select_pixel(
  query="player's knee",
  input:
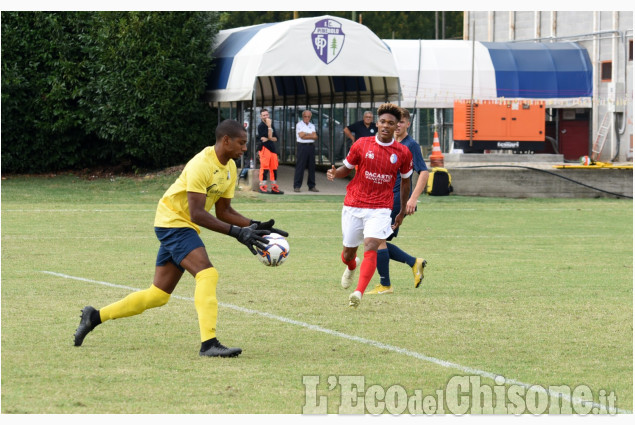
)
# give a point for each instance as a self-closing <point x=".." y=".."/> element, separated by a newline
<point x="162" y="301"/>
<point x="348" y="256"/>
<point x="157" y="297"/>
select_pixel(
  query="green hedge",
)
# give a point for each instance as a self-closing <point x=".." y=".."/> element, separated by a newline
<point x="81" y="89"/>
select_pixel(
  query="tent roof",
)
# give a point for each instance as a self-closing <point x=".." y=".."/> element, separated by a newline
<point x="435" y="73"/>
<point x="308" y="60"/>
<point x="541" y="70"/>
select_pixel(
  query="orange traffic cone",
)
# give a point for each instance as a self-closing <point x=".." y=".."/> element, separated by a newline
<point x="436" y="157"/>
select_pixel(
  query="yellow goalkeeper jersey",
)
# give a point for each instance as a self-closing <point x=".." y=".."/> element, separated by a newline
<point x="202" y="174"/>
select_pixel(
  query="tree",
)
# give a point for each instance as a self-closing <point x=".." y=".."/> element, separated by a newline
<point x="151" y="69"/>
<point x="87" y="88"/>
<point x="412" y="25"/>
<point x="400" y="25"/>
<point x="43" y="79"/>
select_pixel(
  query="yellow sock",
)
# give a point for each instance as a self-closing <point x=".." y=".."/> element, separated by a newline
<point x="206" y="303"/>
<point x="135" y="303"/>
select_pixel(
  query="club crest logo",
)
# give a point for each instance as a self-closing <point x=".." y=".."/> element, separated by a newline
<point x="393" y="158"/>
<point x="328" y="39"/>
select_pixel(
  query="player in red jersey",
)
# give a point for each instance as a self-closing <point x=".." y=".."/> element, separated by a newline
<point x="369" y="196"/>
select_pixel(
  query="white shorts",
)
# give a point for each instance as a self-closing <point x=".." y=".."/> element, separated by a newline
<point x="360" y="223"/>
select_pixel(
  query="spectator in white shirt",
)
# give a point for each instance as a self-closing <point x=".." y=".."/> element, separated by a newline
<point x="305" y="136"/>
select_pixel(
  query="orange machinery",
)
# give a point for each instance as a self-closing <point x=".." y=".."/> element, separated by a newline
<point x="515" y="125"/>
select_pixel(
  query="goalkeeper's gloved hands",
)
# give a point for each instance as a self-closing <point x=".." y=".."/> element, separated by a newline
<point x="250" y="236"/>
<point x="268" y="225"/>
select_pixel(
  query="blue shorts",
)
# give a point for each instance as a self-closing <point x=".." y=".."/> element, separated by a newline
<point x="176" y="243"/>
<point x="396" y="207"/>
<point x="394" y="214"/>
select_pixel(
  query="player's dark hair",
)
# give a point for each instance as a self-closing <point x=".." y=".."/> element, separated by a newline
<point x="229" y="128"/>
<point x="389" y="108"/>
<point x="405" y="114"/>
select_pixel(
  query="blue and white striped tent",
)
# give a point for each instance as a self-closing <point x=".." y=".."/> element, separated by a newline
<point x="317" y="60"/>
<point x="435" y="73"/>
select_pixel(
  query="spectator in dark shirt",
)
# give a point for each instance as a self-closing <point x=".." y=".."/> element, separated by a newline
<point x="363" y="128"/>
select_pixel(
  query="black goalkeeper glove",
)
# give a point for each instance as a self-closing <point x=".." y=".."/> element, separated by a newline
<point x="250" y="236"/>
<point x="268" y="225"/>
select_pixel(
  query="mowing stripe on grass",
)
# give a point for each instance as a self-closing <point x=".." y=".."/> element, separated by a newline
<point x="249" y="210"/>
<point x="443" y="363"/>
<point x="36" y="210"/>
<point x="313" y="237"/>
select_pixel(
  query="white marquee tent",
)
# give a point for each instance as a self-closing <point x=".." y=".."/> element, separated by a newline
<point x="303" y="61"/>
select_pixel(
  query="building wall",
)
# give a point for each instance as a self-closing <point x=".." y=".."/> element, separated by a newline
<point x="606" y="36"/>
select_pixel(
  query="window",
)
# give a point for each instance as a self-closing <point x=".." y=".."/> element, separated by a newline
<point x="606" y="70"/>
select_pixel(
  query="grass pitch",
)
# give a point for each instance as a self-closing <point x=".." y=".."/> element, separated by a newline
<point x="537" y="290"/>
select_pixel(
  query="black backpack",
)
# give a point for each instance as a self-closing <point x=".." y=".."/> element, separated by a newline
<point x="439" y="182"/>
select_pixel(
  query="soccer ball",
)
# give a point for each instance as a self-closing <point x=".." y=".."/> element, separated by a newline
<point x="276" y="252"/>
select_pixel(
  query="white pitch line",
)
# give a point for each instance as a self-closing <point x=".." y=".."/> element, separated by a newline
<point x="393" y="348"/>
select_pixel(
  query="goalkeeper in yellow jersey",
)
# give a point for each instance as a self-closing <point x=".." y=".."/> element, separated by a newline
<point x="208" y="180"/>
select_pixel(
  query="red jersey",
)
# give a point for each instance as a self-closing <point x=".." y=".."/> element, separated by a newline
<point x="377" y="167"/>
